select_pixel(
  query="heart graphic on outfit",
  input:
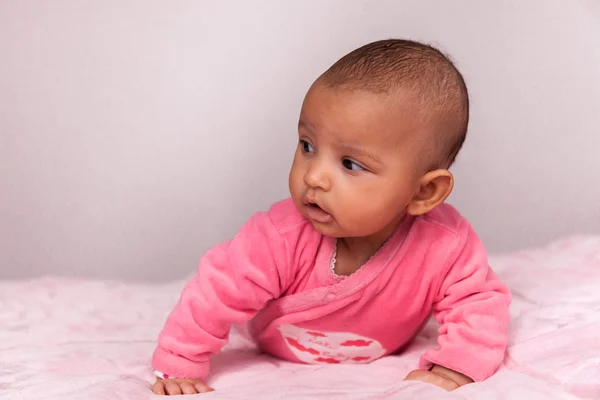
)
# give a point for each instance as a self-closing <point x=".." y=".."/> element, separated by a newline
<point x="317" y="347"/>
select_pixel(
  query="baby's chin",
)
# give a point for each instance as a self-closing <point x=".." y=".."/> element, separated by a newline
<point x="333" y="229"/>
<point x="330" y="229"/>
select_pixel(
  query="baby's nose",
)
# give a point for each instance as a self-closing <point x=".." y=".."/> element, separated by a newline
<point x="317" y="177"/>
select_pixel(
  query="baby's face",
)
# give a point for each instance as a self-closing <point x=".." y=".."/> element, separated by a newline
<point x="356" y="167"/>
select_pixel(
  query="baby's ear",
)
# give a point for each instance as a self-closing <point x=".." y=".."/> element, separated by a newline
<point x="434" y="189"/>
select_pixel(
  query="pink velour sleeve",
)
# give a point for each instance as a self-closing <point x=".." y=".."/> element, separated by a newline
<point x="233" y="282"/>
<point x="472" y="308"/>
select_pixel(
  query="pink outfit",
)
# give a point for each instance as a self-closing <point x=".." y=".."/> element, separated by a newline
<point x="275" y="274"/>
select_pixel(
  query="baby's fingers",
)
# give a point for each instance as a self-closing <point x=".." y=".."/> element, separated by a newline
<point x="202" y="388"/>
<point x="188" y="388"/>
<point x="158" y="388"/>
<point x="172" y="388"/>
<point x="433" y="379"/>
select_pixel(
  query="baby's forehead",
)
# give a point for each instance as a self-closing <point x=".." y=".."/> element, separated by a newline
<point x="360" y="115"/>
<point x="438" y="110"/>
<point x="394" y="125"/>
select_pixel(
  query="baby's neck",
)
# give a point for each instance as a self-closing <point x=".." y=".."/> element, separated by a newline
<point x="359" y="248"/>
<point x="353" y="253"/>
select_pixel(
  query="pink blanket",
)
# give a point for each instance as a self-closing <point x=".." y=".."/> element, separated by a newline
<point x="79" y="339"/>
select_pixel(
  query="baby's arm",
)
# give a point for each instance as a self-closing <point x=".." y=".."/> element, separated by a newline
<point x="472" y="307"/>
<point x="233" y="282"/>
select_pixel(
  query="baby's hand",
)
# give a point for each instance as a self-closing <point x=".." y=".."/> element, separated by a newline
<point x="440" y="376"/>
<point x="174" y="386"/>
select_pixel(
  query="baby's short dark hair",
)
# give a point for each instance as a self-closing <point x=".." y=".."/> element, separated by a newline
<point x="388" y="65"/>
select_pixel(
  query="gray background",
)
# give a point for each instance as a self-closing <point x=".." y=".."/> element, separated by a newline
<point x="136" y="134"/>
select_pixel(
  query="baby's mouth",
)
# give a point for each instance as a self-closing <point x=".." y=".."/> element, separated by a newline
<point x="314" y="205"/>
<point x="317" y="214"/>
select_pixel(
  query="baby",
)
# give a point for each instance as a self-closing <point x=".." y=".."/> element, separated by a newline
<point x="350" y="268"/>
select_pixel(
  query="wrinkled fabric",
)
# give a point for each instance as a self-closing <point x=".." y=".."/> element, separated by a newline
<point x="80" y="339"/>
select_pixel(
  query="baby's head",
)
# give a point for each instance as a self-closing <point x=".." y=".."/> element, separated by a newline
<point x="377" y="134"/>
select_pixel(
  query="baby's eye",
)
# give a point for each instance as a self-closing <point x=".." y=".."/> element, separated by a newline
<point x="351" y="165"/>
<point x="306" y="147"/>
